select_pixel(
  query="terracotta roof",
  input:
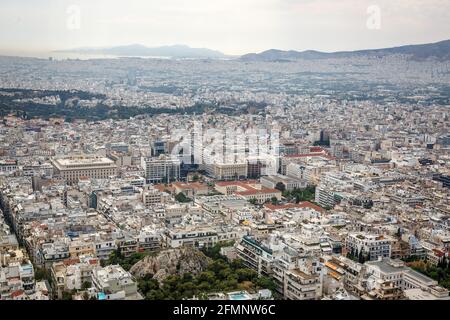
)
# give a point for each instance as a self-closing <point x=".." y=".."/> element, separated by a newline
<point x="243" y="184"/>
<point x="162" y="187"/>
<point x="69" y="262"/>
<point x="438" y="252"/>
<point x="316" y="149"/>
<point x="17" y="293"/>
<point x="311" y="155"/>
<point x="189" y="185"/>
<point x="248" y="186"/>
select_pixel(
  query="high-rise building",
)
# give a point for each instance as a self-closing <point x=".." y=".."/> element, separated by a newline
<point x="159" y="148"/>
<point x="162" y="169"/>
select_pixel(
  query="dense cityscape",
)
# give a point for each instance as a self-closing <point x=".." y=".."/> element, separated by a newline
<point x="225" y="179"/>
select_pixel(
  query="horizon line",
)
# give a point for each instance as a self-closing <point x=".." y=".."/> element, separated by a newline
<point x="13" y="52"/>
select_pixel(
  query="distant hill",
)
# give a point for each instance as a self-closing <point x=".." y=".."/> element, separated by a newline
<point x="439" y="50"/>
<point x="137" y="50"/>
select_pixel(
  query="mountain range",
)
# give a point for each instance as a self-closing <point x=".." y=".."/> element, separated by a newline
<point x="439" y="50"/>
<point x="137" y="50"/>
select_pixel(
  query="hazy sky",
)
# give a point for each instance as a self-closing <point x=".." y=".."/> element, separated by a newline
<point x="232" y="26"/>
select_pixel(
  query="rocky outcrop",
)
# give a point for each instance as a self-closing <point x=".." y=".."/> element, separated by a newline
<point x="171" y="262"/>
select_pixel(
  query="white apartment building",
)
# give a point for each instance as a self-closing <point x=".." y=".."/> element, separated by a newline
<point x="8" y="166"/>
<point x="372" y="246"/>
<point x="297" y="276"/>
<point x="104" y="248"/>
<point x="403" y="277"/>
<point x="255" y="255"/>
<point x="299" y="285"/>
<point x="113" y="282"/>
<point x="326" y="197"/>
<point x="198" y="237"/>
<point x="161" y="170"/>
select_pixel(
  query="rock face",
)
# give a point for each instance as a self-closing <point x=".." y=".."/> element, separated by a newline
<point x="171" y="262"/>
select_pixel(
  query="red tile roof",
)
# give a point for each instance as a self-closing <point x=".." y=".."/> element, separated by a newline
<point x="190" y="185"/>
<point x="17" y="293"/>
<point x="242" y="184"/>
<point x="69" y="262"/>
<point x="248" y="186"/>
<point x="316" y="149"/>
<point x="162" y="187"/>
<point x="311" y="155"/>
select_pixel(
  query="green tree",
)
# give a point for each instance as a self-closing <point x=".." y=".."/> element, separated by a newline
<point x="67" y="295"/>
<point x="361" y="257"/>
<point x="220" y="276"/>
<point x="274" y="201"/>
<point x="246" y="274"/>
<point x="266" y="283"/>
<point x="85" y="285"/>
<point x="42" y="274"/>
<point x="280" y="186"/>
<point x="181" y="197"/>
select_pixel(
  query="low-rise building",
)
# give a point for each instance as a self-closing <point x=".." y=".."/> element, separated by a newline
<point x="114" y="283"/>
<point x="370" y="246"/>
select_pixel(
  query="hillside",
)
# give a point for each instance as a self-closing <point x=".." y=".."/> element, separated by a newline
<point x="439" y="50"/>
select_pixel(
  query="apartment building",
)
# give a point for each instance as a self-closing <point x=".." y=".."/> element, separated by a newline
<point x="371" y="246"/>
<point x="326" y="197"/>
<point x="149" y="240"/>
<point x="386" y="270"/>
<point x="299" y="285"/>
<point x="198" y="237"/>
<point x="152" y="196"/>
<point x="163" y="169"/>
<point x="52" y="252"/>
<point x="16" y="278"/>
<point x="114" y="283"/>
<point x="72" y="274"/>
<point x="104" y="246"/>
<point x="80" y="247"/>
<point x="8" y="166"/>
<point x="255" y="255"/>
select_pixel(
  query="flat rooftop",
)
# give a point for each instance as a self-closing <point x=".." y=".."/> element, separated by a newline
<point x="77" y="162"/>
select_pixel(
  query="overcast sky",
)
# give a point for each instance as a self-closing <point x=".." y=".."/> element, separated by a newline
<point x="231" y="26"/>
